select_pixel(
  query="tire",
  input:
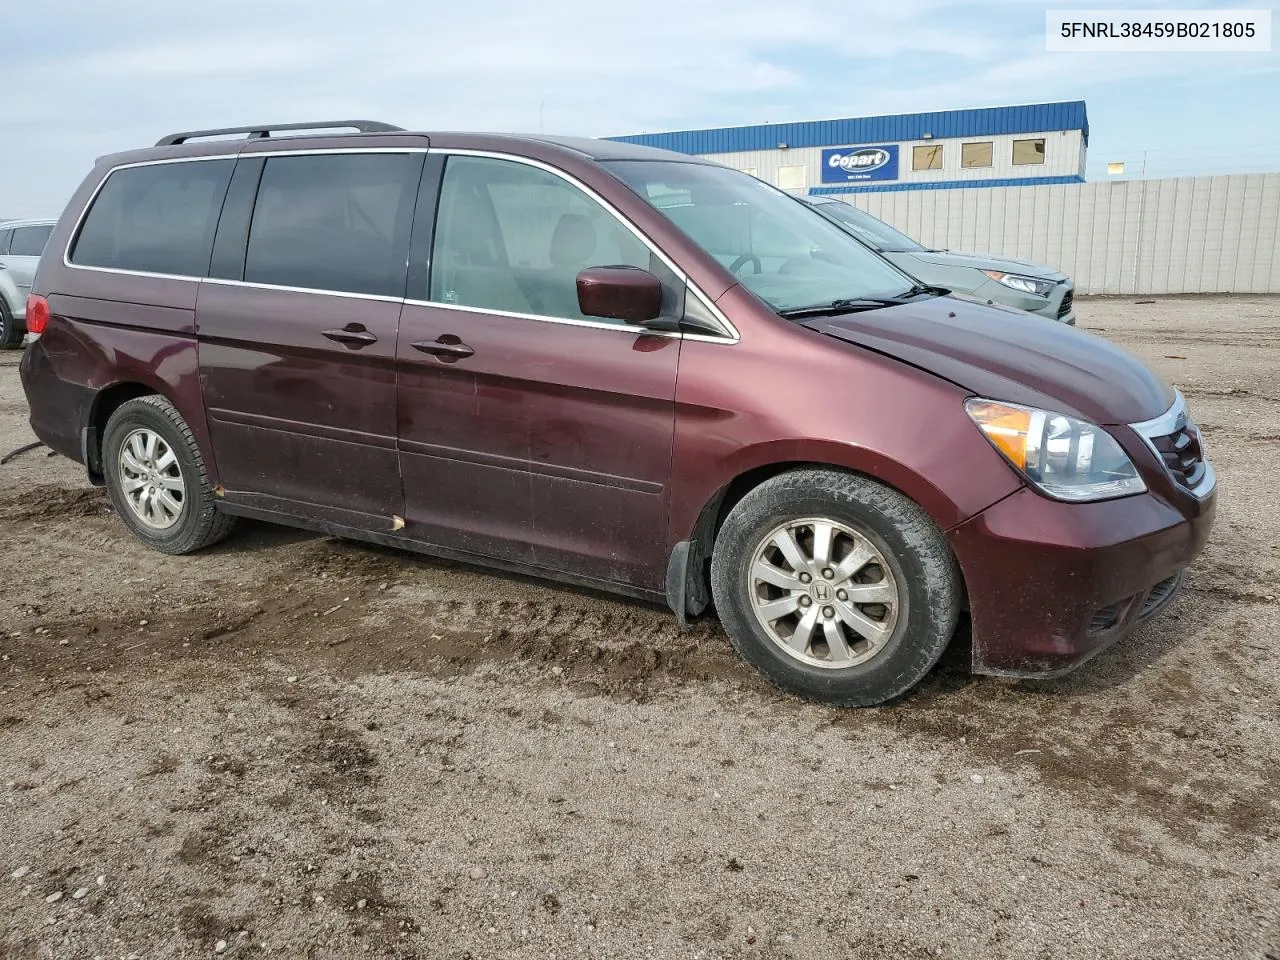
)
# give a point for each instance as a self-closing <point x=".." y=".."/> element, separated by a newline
<point x="11" y="332"/>
<point x="879" y="650"/>
<point x="196" y="523"/>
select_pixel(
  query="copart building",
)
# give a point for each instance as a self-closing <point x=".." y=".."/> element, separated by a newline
<point x="1039" y="143"/>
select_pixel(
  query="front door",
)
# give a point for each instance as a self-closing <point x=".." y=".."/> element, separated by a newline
<point x="529" y="432"/>
<point x="297" y="348"/>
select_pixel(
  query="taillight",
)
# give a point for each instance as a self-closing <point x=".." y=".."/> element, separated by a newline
<point x="37" y="315"/>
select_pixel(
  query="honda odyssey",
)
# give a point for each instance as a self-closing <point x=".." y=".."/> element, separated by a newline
<point x="613" y="366"/>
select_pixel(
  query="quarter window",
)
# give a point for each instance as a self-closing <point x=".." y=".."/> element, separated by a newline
<point x="976" y="154"/>
<point x="335" y="222"/>
<point x="1028" y="151"/>
<point x="4" y="241"/>
<point x="158" y="218"/>
<point x="927" y="157"/>
<point x="512" y="238"/>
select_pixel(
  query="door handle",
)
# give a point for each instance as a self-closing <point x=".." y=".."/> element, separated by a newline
<point x="353" y="335"/>
<point x="448" y="348"/>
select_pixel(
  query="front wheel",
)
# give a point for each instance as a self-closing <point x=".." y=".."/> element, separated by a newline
<point x="835" y="586"/>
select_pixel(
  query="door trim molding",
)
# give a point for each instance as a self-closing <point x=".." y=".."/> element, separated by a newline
<point x="519" y="465"/>
<point x="318" y="430"/>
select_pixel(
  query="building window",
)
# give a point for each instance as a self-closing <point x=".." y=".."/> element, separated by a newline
<point x="976" y="154"/>
<point x="791" y="178"/>
<point x="749" y="171"/>
<point x="927" y="157"/>
<point x="1028" y="151"/>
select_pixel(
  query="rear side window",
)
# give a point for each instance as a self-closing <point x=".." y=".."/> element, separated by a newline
<point x="4" y="241"/>
<point x="158" y="218"/>
<point x="337" y="222"/>
<point x="30" y="241"/>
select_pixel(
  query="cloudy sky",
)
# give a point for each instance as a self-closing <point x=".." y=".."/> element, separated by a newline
<point x="81" y="78"/>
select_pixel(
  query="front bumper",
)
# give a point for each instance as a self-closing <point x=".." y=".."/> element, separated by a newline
<point x="1058" y="305"/>
<point x="1052" y="584"/>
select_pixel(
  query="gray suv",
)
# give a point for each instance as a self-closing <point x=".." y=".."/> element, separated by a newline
<point x="984" y="276"/>
<point x="21" y="243"/>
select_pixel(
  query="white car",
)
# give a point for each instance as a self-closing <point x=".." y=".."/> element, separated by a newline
<point x="21" y="243"/>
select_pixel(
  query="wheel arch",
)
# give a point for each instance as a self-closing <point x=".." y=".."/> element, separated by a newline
<point x="695" y="558"/>
<point x="106" y="402"/>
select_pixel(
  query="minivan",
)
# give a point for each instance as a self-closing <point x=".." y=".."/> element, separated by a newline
<point x="615" y="366"/>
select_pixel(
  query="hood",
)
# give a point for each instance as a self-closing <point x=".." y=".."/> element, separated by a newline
<point x="988" y="261"/>
<point x="1009" y="355"/>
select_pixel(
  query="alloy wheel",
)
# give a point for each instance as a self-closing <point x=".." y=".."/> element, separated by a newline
<point x="151" y="479"/>
<point x="823" y="593"/>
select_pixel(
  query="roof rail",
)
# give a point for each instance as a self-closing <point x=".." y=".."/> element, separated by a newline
<point x="265" y="130"/>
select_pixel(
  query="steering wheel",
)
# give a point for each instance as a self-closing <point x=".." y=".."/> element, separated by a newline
<point x="743" y="260"/>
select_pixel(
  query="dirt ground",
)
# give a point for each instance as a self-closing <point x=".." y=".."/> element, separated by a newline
<point x="297" y="746"/>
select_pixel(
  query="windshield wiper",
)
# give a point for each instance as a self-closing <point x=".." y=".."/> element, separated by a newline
<point x="856" y="304"/>
<point x="851" y="305"/>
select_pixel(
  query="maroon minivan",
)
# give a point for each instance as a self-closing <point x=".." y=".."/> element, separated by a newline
<point x="616" y="366"/>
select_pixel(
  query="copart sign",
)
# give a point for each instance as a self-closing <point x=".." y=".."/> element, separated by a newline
<point x="848" y="164"/>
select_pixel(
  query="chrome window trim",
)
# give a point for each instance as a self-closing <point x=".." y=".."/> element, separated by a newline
<point x="1172" y="420"/>
<point x="620" y="326"/>
<point x="312" y="290"/>
<point x="731" y="334"/>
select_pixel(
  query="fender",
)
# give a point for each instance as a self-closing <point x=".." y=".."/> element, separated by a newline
<point x="853" y="408"/>
<point x="101" y="360"/>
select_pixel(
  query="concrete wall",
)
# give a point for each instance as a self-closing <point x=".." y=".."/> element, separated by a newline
<point x="1181" y="235"/>
<point x="1064" y="156"/>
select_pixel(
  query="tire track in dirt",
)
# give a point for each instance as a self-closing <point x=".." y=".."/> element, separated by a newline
<point x="51" y="502"/>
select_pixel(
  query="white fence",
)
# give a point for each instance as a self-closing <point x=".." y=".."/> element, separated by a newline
<point x="1181" y="235"/>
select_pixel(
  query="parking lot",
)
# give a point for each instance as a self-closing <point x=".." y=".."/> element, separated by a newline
<point x="291" y="745"/>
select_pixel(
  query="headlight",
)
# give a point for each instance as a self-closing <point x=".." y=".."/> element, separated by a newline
<point x="1066" y="458"/>
<point x="1016" y="281"/>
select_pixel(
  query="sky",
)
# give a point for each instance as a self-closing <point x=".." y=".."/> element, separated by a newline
<point x="81" y="78"/>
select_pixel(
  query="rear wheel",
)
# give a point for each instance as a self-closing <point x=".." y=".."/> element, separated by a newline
<point x="11" y="332"/>
<point x="835" y="586"/>
<point x="156" y="478"/>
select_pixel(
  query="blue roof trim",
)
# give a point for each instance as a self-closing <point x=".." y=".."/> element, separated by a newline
<point x="944" y="185"/>
<point x="984" y="122"/>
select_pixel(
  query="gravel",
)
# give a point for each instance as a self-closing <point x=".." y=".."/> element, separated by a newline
<point x="641" y="792"/>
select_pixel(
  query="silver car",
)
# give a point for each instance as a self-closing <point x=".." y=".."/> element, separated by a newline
<point x="21" y="243"/>
<point x="984" y="276"/>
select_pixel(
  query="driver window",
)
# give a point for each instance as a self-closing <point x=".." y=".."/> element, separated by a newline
<point x="512" y="238"/>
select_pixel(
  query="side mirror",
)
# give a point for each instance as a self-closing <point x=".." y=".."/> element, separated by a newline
<point x="620" y="293"/>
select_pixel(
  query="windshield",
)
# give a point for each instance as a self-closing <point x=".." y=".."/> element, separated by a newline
<point x="782" y="251"/>
<point x="866" y="227"/>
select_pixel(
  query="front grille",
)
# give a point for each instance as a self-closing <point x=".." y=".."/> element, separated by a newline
<point x="1175" y="440"/>
<point x="1182" y="455"/>
<point x="1065" y="307"/>
<point x="1159" y="594"/>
